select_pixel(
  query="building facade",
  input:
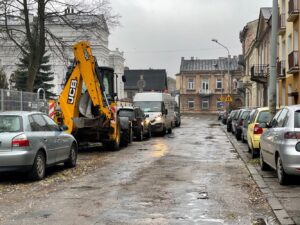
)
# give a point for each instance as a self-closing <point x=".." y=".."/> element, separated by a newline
<point x="144" y="80"/>
<point x="288" y="56"/>
<point x="203" y="83"/>
<point x="255" y="39"/>
<point x="10" y="54"/>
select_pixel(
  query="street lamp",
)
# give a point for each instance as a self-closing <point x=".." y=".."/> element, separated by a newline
<point x="229" y="79"/>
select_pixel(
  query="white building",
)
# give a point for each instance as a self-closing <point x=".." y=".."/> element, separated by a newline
<point x="10" y="54"/>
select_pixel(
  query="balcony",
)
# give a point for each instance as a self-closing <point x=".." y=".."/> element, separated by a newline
<point x="281" y="69"/>
<point x="260" y="73"/>
<point x="205" y="92"/>
<point x="293" y="10"/>
<point x="293" y="62"/>
<point x="281" y="24"/>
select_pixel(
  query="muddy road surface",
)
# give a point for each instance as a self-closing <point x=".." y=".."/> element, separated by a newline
<point x="193" y="176"/>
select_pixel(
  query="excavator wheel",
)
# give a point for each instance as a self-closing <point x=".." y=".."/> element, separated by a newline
<point x="115" y="144"/>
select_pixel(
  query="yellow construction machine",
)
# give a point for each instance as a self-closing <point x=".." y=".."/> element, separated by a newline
<point x="87" y="105"/>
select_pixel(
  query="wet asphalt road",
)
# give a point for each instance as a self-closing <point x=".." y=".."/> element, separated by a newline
<point x="193" y="176"/>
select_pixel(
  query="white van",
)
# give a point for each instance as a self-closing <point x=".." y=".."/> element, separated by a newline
<point x="159" y="107"/>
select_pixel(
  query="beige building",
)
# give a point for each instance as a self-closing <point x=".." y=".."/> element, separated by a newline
<point x="202" y="83"/>
<point x="255" y="39"/>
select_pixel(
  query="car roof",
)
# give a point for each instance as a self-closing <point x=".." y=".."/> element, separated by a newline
<point x="19" y="113"/>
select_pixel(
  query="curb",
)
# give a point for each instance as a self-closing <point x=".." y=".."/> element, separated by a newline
<point x="280" y="213"/>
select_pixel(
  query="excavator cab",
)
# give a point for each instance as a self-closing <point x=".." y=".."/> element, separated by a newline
<point x="106" y="78"/>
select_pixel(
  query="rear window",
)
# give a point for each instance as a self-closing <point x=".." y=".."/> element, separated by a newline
<point x="263" y="117"/>
<point x="245" y="114"/>
<point x="10" y="123"/>
<point x="126" y="113"/>
<point x="297" y="119"/>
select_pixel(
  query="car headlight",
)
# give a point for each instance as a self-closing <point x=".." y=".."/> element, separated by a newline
<point x="158" y="119"/>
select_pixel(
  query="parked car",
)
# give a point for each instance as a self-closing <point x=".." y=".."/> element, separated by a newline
<point x="177" y="118"/>
<point x="221" y="114"/>
<point x="31" y="141"/>
<point x="229" y="120"/>
<point x="234" y="121"/>
<point x="240" y="121"/>
<point x="279" y="145"/>
<point x="255" y="130"/>
<point x="141" y="126"/>
<point x="245" y="125"/>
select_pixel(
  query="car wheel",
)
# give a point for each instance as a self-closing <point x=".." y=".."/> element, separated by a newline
<point x="243" y="138"/>
<point x="149" y="134"/>
<point x="237" y="135"/>
<point x="263" y="166"/>
<point x="39" y="167"/>
<point x="282" y="176"/>
<point x="170" y="130"/>
<point x="163" y="131"/>
<point x="72" y="160"/>
<point x="140" y="135"/>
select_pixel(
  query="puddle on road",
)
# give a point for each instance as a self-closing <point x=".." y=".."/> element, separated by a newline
<point x="209" y="137"/>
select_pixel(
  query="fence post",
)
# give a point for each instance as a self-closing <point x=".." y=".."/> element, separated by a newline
<point x="21" y="96"/>
<point x="2" y="100"/>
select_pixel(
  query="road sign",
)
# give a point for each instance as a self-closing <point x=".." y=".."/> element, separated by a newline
<point x="222" y="98"/>
<point x="228" y="98"/>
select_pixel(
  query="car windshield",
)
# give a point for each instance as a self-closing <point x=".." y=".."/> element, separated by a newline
<point x="10" y="123"/>
<point x="263" y="117"/>
<point x="149" y="106"/>
<point x="126" y="113"/>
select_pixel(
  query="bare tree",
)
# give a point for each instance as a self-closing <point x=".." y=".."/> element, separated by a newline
<point x="3" y="80"/>
<point x="23" y="22"/>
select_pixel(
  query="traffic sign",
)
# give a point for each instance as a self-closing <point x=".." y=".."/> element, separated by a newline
<point x="222" y="98"/>
<point x="228" y="98"/>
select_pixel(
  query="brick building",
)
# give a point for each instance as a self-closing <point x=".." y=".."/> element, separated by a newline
<point x="203" y="81"/>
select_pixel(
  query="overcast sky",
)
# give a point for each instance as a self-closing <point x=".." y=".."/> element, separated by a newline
<point x="157" y="33"/>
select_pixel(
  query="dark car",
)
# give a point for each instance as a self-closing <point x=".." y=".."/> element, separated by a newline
<point x="141" y="126"/>
<point x="229" y="120"/>
<point x="243" y="113"/>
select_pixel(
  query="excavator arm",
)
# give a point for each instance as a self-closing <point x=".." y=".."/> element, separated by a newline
<point x="84" y="71"/>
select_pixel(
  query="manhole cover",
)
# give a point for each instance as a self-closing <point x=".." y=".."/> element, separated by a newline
<point x="203" y="195"/>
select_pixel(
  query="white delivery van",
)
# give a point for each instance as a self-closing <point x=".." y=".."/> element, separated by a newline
<point x="159" y="107"/>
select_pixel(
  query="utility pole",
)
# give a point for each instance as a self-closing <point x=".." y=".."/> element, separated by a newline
<point x="273" y="72"/>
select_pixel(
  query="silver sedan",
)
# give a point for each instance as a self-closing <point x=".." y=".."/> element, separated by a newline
<point x="278" y="143"/>
<point x="31" y="141"/>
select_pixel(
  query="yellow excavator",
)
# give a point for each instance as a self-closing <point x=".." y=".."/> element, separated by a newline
<point x="87" y="106"/>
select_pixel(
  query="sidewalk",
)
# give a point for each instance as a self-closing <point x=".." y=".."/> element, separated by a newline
<point x="284" y="200"/>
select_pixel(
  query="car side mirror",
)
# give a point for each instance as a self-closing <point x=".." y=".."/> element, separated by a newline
<point x="124" y="79"/>
<point x="147" y="116"/>
<point x="64" y="128"/>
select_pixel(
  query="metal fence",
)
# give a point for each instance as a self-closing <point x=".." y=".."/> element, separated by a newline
<point x="11" y="100"/>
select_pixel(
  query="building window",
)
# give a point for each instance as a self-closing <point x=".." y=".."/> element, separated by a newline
<point x="205" y="104"/>
<point x="205" y="84"/>
<point x="191" y="84"/>
<point x="191" y="103"/>
<point x="219" y="83"/>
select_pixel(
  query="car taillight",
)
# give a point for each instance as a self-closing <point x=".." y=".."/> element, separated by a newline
<point x="257" y="129"/>
<point x="292" y="135"/>
<point x="20" y="141"/>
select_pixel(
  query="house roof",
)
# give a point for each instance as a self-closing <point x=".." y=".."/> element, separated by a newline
<point x="154" y="79"/>
<point x="266" y="12"/>
<point x="219" y="64"/>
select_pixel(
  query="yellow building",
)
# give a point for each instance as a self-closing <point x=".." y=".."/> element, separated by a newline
<point x="288" y="56"/>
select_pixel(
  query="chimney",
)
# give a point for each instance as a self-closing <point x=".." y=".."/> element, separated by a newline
<point x="182" y="58"/>
<point x="192" y="58"/>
